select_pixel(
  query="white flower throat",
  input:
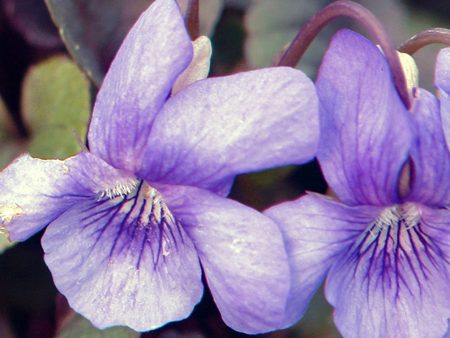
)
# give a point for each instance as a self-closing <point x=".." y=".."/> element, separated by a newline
<point x="393" y="226"/>
<point x="120" y="189"/>
<point x="152" y="209"/>
<point x="141" y="217"/>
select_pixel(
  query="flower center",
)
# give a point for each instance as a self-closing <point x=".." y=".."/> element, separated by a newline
<point x="139" y="219"/>
<point x="391" y="227"/>
<point x="396" y="253"/>
<point x="121" y="188"/>
<point x="146" y="205"/>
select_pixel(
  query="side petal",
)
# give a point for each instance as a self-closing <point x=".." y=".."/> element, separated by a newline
<point x="118" y="266"/>
<point x="316" y="230"/>
<point x="365" y="126"/>
<point x="442" y="82"/>
<point x="35" y="192"/>
<point x="220" y="127"/>
<point x="395" y="281"/>
<point x="154" y="53"/>
<point x="430" y="155"/>
<point x="242" y="255"/>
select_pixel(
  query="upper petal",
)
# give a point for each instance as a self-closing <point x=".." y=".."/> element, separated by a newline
<point x="124" y="261"/>
<point x="154" y="53"/>
<point x="220" y="127"/>
<point x="430" y="155"/>
<point x="395" y="281"/>
<point x="35" y="192"/>
<point x="242" y="255"/>
<point x="442" y="82"/>
<point x="364" y="125"/>
<point x="316" y="230"/>
<point x="442" y="71"/>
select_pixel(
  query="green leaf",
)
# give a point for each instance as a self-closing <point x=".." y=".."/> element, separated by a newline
<point x="42" y="144"/>
<point x="55" y="93"/>
<point x="7" y="127"/>
<point x="56" y="107"/>
<point x="5" y="243"/>
<point x="79" y="327"/>
<point x="9" y="149"/>
<point x="3" y="115"/>
<point x="10" y="145"/>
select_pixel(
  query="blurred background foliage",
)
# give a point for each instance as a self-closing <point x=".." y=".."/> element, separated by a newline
<point x="54" y="54"/>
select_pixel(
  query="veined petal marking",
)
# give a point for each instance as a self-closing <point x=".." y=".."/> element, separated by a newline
<point x="397" y="243"/>
<point x="142" y="219"/>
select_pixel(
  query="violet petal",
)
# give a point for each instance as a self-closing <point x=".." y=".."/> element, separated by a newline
<point x="442" y="82"/>
<point x="154" y="53"/>
<point x="364" y="126"/>
<point x="430" y="155"/>
<point x="220" y="127"/>
<point x="316" y="230"/>
<point x="242" y="254"/>
<point x="116" y="266"/>
<point x="35" y="192"/>
<point x="395" y="281"/>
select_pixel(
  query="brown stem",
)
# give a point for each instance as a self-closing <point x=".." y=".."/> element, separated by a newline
<point x="424" y="38"/>
<point x="363" y="16"/>
<point x="192" y="19"/>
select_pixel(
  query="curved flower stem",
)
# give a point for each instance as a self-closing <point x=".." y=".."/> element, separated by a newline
<point x="424" y="38"/>
<point x="363" y="16"/>
<point x="192" y="19"/>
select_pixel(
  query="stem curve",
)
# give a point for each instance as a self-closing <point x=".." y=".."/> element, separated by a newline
<point x="424" y="38"/>
<point x="192" y="19"/>
<point x="363" y="16"/>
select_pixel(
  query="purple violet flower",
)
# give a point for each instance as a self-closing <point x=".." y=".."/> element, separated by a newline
<point x="130" y="221"/>
<point x="383" y="246"/>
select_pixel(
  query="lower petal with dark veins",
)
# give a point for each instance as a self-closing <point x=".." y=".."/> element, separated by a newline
<point x="124" y="261"/>
<point x="394" y="282"/>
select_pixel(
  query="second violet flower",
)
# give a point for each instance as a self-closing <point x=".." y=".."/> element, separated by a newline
<point x="384" y="243"/>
